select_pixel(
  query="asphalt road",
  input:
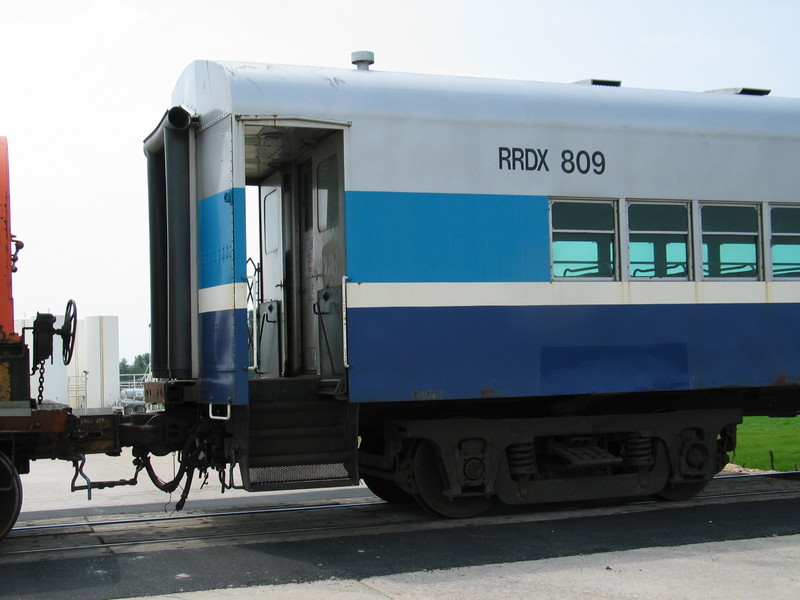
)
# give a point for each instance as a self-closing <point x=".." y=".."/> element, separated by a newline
<point x="469" y="544"/>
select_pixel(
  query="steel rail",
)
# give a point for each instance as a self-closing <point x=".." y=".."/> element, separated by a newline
<point x="775" y="475"/>
<point x="105" y="545"/>
<point x="233" y="513"/>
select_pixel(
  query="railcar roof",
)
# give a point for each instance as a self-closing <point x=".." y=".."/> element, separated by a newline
<point x="344" y="95"/>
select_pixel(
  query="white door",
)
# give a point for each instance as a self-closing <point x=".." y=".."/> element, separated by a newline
<point x="271" y="329"/>
<point x="321" y="207"/>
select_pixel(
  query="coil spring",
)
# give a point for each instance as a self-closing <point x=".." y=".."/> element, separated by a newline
<point x="639" y="450"/>
<point x="521" y="459"/>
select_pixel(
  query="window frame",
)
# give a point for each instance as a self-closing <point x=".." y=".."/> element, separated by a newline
<point x="770" y="235"/>
<point x="615" y="233"/>
<point x="323" y="217"/>
<point x="699" y="241"/>
<point x="688" y="233"/>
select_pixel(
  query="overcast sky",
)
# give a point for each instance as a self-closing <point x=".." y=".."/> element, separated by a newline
<point x="82" y="82"/>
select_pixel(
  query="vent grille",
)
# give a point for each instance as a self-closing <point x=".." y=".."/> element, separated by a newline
<point x="260" y="476"/>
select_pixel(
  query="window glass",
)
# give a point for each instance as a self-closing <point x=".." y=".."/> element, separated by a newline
<point x="658" y="217"/>
<point x="785" y="220"/>
<point x="730" y="218"/>
<point x="306" y="195"/>
<point x="328" y="193"/>
<point x="583" y="216"/>
<point x="730" y="241"/>
<point x="658" y="255"/>
<point x="272" y="223"/>
<point x="785" y="241"/>
<point x="583" y="239"/>
<point x="659" y="239"/>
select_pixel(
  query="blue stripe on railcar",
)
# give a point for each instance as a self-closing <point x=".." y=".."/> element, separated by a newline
<point x="223" y="359"/>
<point x="473" y="352"/>
<point x="223" y="333"/>
<point x="414" y="237"/>
<point x="221" y="239"/>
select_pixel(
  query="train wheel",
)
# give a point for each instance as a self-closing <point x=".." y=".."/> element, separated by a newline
<point x="10" y="495"/>
<point x="387" y="490"/>
<point x="430" y="478"/>
<point x="674" y="492"/>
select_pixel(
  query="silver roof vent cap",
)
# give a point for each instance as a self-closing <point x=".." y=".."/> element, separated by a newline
<point x="600" y="82"/>
<point x="742" y="91"/>
<point x="362" y="59"/>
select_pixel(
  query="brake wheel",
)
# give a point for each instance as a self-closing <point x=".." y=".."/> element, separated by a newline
<point x="68" y="331"/>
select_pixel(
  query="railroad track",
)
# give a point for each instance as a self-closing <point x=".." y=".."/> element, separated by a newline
<point x="53" y="528"/>
<point x="361" y="516"/>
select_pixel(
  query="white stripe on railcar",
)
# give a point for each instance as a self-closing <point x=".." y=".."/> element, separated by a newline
<point x="569" y="293"/>
<point x="222" y="297"/>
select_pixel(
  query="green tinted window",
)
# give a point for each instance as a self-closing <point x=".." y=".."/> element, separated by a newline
<point x="597" y="216"/>
<point x="785" y="241"/>
<point x="730" y="218"/>
<point x="730" y="241"/>
<point x="583" y="239"/>
<point x="659" y="239"/>
<point x="658" y="256"/>
<point x="785" y="220"/>
<point x="658" y="217"/>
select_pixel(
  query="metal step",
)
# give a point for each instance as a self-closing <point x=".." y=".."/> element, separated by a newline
<point x="298" y="438"/>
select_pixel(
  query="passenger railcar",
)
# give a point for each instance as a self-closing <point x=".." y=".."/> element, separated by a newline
<point x="504" y="288"/>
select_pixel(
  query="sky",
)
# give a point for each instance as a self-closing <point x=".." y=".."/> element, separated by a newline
<point x="83" y="82"/>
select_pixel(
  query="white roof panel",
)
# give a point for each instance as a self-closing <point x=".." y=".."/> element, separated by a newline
<point x="212" y="88"/>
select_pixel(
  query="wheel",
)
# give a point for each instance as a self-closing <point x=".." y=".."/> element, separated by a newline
<point x="674" y="492"/>
<point x="68" y="330"/>
<point x="10" y="495"/>
<point x="430" y="478"/>
<point x="387" y="490"/>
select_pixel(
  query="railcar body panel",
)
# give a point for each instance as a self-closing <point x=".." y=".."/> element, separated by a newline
<point x="448" y="183"/>
<point x="516" y="351"/>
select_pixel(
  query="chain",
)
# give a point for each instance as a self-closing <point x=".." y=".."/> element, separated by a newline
<point x="41" y="383"/>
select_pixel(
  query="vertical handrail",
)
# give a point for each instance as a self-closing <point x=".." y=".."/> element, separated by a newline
<point x="344" y="322"/>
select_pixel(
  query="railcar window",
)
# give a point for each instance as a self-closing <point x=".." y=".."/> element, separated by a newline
<point x="659" y="239"/>
<point x="328" y="193"/>
<point x="305" y="192"/>
<point x="785" y="241"/>
<point x="583" y="239"/>
<point x="730" y="241"/>
<point x="272" y="226"/>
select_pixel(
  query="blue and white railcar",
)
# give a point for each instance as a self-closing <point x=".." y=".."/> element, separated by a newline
<point x="501" y="286"/>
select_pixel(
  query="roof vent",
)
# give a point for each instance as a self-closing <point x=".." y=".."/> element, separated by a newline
<point x="362" y="59"/>
<point x="602" y="82"/>
<point x="742" y="91"/>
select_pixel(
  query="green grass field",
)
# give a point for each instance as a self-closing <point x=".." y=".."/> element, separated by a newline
<point x="757" y="436"/>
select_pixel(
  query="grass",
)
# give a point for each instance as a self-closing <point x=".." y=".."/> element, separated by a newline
<point x="757" y="437"/>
